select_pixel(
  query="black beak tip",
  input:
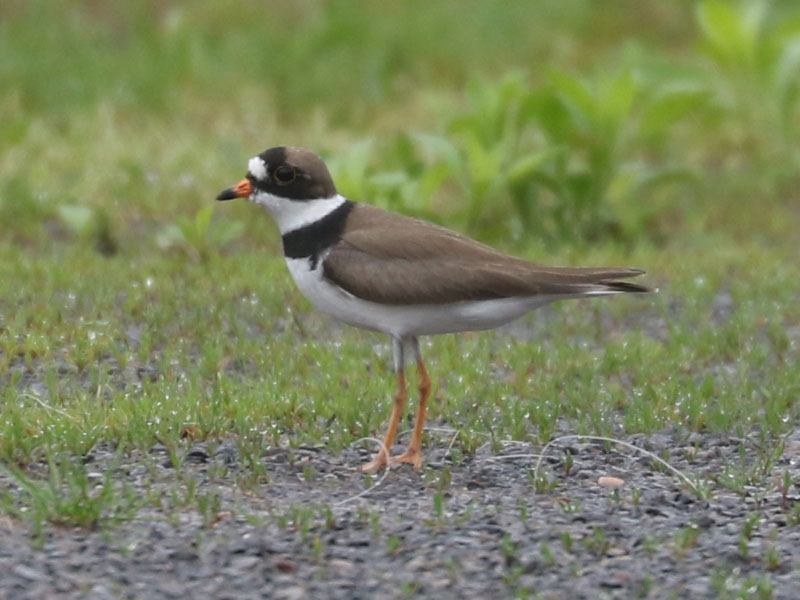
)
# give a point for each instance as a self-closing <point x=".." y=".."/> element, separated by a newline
<point x="228" y="194"/>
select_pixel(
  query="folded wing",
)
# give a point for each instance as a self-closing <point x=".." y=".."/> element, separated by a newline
<point x="408" y="261"/>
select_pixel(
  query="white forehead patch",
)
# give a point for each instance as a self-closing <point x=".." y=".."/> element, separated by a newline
<point x="257" y="168"/>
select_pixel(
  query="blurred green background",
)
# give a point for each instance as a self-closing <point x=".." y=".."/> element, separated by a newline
<point x="655" y="134"/>
<point x="568" y="121"/>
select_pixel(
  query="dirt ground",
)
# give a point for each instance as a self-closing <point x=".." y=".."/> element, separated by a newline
<point x="477" y="528"/>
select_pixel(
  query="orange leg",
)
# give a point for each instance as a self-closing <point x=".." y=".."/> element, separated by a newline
<point x="382" y="458"/>
<point x="414" y="453"/>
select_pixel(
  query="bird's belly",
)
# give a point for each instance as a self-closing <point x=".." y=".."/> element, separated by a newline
<point x="404" y="320"/>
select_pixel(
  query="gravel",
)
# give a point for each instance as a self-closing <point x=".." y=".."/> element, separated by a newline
<point x="477" y="528"/>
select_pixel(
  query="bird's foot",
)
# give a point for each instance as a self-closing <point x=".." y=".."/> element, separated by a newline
<point x="380" y="461"/>
<point x="412" y="455"/>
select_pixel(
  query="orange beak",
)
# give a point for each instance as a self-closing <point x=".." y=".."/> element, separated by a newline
<point x="241" y="190"/>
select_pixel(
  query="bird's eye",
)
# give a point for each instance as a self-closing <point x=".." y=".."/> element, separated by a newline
<point x="285" y="174"/>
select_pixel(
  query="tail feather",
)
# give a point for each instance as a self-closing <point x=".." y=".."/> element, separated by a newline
<point x="624" y="287"/>
<point x="577" y="282"/>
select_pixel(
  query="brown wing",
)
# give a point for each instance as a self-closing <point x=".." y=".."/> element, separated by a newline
<point x="392" y="259"/>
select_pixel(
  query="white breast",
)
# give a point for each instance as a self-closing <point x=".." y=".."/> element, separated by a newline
<point x="403" y="320"/>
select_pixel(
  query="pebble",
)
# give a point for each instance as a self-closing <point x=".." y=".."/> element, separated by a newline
<point x="497" y="539"/>
<point x="28" y="573"/>
<point x="294" y="592"/>
<point x="610" y="482"/>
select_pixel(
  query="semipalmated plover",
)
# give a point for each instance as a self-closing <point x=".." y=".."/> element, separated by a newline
<point x="404" y="277"/>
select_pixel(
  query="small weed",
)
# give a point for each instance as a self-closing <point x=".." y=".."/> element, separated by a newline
<point x="568" y="463"/>
<point x="729" y="585"/>
<point x="614" y="499"/>
<point x="439" y="479"/>
<point x="570" y="506"/>
<point x="394" y="544"/>
<point x="644" y="587"/>
<point x="317" y="549"/>
<point x="650" y="544"/>
<point x="566" y="541"/>
<point x="508" y="549"/>
<point x="750" y="525"/>
<point x="209" y="505"/>
<point x="302" y="518"/>
<point x="511" y="577"/>
<point x="685" y="540"/>
<point x="410" y="589"/>
<point x="541" y="483"/>
<point x="256" y="520"/>
<point x="68" y="496"/>
<point x="439" y="504"/>
<point x="772" y="559"/>
<point x="328" y="517"/>
<point x="547" y="554"/>
<point x="375" y="524"/>
<point x="196" y="236"/>
<point x="597" y="542"/>
<point x="217" y="471"/>
<point x="523" y="510"/>
<point x="793" y="515"/>
<point x="784" y="485"/>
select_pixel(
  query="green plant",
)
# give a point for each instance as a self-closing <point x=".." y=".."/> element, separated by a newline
<point x="439" y="506"/>
<point x="68" y="496"/>
<point x="567" y="157"/>
<point x="547" y="554"/>
<point x="508" y="549"/>
<point x="597" y="543"/>
<point x="758" y="61"/>
<point x="772" y="559"/>
<point x="750" y="524"/>
<point x="685" y="540"/>
<point x="196" y="236"/>
<point x="393" y="544"/>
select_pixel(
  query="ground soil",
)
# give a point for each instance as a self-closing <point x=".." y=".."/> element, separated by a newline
<point x="473" y="529"/>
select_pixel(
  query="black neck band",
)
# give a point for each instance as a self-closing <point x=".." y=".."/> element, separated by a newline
<point x="312" y="239"/>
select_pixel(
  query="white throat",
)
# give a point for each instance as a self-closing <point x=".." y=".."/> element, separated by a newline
<point x="294" y="214"/>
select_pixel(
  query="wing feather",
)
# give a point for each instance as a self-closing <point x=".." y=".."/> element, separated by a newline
<point x="391" y="259"/>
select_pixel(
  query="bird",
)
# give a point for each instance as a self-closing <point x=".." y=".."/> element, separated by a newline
<point x="401" y="276"/>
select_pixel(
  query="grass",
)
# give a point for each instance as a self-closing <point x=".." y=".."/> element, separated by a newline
<point x="139" y="357"/>
<point x="70" y="496"/>
<point x="134" y="311"/>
